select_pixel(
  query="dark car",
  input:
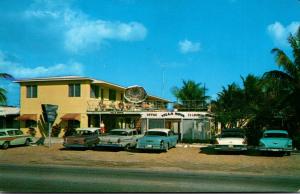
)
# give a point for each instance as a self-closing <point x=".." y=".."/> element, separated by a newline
<point x="83" y="138"/>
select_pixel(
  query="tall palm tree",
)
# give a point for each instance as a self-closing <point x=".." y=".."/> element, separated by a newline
<point x="289" y="76"/>
<point x="3" y="98"/>
<point x="191" y="95"/>
<point x="228" y="106"/>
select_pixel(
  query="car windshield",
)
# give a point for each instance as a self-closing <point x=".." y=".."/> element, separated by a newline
<point x="2" y="134"/>
<point x="232" y="134"/>
<point x="121" y="133"/>
<point x="155" y="133"/>
<point x="280" y="135"/>
<point x="83" y="132"/>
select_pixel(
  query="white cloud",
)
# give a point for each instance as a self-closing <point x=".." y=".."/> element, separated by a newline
<point x="81" y="32"/>
<point x="187" y="46"/>
<point x="87" y="33"/>
<point x="20" y="71"/>
<point x="280" y="33"/>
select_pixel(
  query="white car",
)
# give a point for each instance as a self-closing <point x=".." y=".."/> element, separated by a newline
<point x="231" y="140"/>
<point x="11" y="137"/>
<point x="119" y="138"/>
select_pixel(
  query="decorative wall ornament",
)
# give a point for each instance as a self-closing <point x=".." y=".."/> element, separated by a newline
<point x="135" y="94"/>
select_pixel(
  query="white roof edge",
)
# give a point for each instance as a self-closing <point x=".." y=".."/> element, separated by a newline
<point x="66" y="78"/>
<point x="58" y="78"/>
<point x="159" y="98"/>
<point x="95" y="81"/>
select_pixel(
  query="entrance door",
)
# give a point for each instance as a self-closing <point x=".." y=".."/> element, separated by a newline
<point x="174" y="125"/>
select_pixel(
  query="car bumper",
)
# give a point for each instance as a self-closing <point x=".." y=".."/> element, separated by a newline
<point x="75" y="146"/>
<point x="111" y="145"/>
<point x="264" y="149"/>
<point x="230" y="148"/>
<point x="150" y="147"/>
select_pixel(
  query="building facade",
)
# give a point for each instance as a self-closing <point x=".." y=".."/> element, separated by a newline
<point x="86" y="102"/>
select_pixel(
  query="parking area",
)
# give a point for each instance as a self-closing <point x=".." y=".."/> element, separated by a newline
<point x="183" y="157"/>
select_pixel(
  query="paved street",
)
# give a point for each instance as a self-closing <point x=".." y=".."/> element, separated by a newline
<point x="42" y="178"/>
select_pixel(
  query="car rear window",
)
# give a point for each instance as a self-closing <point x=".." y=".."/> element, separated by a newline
<point x="233" y="134"/>
<point x="280" y="135"/>
<point x="155" y="133"/>
<point x="82" y="132"/>
<point x="122" y="133"/>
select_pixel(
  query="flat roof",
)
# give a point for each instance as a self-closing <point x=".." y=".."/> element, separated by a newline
<point x="80" y="78"/>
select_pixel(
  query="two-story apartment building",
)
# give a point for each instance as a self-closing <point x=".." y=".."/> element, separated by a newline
<point x="86" y="102"/>
<point x="82" y="102"/>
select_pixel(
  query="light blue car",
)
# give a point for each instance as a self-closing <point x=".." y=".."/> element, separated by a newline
<point x="276" y="141"/>
<point x="157" y="139"/>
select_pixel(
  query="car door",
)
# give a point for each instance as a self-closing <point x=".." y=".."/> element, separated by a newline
<point x="173" y="138"/>
<point x="13" y="139"/>
<point x="20" y="137"/>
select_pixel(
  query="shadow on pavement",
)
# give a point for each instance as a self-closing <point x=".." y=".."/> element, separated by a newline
<point x="209" y="150"/>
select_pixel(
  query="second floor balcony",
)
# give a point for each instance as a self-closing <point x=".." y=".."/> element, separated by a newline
<point x="146" y="106"/>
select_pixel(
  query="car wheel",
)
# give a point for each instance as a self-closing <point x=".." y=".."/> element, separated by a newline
<point x="167" y="147"/>
<point x="27" y="142"/>
<point x="5" y="145"/>
<point x="288" y="153"/>
<point x="127" y="147"/>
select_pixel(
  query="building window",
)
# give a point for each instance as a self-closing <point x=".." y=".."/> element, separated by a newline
<point x="102" y="94"/>
<point x="74" y="90"/>
<point x="112" y="94"/>
<point x="94" y="91"/>
<point x="122" y="96"/>
<point x="30" y="123"/>
<point x="31" y="91"/>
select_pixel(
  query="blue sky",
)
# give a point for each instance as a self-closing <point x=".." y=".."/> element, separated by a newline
<point x="152" y="43"/>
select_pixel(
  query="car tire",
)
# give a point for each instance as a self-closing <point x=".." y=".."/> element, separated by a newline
<point x="167" y="147"/>
<point x="27" y="142"/>
<point x="127" y="147"/>
<point x="288" y="153"/>
<point x="5" y="145"/>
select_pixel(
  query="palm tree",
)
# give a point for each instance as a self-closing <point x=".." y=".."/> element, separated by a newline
<point x="289" y="76"/>
<point x="228" y="105"/>
<point x="3" y="98"/>
<point x="191" y="95"/>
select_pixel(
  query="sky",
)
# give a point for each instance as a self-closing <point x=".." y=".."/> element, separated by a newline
<point x="152" y="43"/>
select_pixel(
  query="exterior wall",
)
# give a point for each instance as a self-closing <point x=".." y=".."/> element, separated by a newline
<point x="55" y="93"/>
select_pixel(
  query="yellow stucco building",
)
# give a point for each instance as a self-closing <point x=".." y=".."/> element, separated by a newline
<point x="82" y="102"/>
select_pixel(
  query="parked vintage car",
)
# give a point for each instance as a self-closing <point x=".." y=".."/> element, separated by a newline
<point x="119" y="138"/>
<point x="10" y="137"/>
<point x="82" y="138"/>
<point x="233" y="139"/>
<point x="157" y="139"/>
<point x="276" y="141"/>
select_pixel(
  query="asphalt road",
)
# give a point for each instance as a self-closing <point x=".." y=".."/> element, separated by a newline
<point x="38" y="178"/>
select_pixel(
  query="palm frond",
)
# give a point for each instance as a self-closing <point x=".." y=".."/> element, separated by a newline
<point x="284" y="61"/>
<point x="295" y="44"/>
<point x="2" y="96"/>
<point x="275" y="74"/>
<point x="6" y="76"/>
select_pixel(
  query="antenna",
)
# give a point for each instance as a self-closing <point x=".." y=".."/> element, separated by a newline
<point x="163" y="81"/>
